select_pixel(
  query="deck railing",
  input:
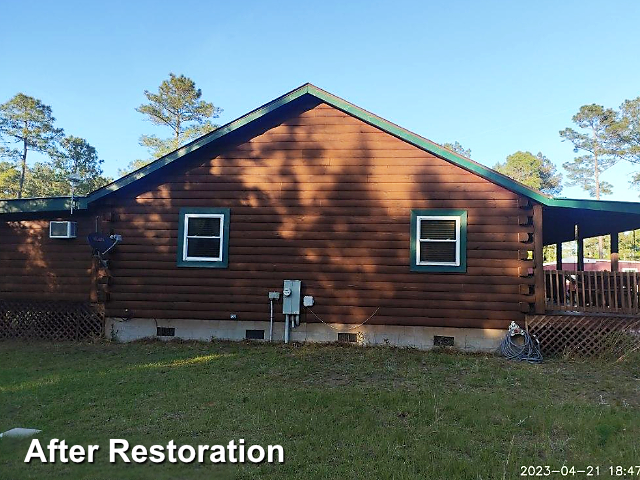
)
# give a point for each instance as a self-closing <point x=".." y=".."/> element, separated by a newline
<point x="603" y="292"/>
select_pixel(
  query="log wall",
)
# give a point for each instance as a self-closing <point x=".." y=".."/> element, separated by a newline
<point x="324" y="198"/>
<point x="36" y="267"/>
<point x="321" y="197"/>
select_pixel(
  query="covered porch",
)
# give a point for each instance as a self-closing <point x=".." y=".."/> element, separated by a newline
<point x="574" y="289"/>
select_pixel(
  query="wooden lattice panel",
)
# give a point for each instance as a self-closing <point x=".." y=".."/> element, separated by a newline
<point x="50" y="320"/>
<point x="585" y="335"/>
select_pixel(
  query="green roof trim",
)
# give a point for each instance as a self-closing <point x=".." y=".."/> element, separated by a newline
<point x="601" y="205"/>
<point x="62" y="203"/>
<point x="428" y="145"/>
<point x="31" y="205"/>
<point x="196" y="144"/>
<point x="340" y="104"/>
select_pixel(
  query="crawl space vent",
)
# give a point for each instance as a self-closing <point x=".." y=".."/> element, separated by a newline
<point x="254" y="335"/>
<point x="442" y="341"/>
<point x="347" y="337"/>
<point x="166" y="332"/>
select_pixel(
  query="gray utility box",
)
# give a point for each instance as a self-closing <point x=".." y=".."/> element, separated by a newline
<point x="291" y="297"/>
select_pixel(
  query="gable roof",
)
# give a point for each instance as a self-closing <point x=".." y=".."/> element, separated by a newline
<point x="340" y="104"/>
<point x="54" y="204"/>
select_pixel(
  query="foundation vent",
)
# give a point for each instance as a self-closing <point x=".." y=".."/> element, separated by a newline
<point x="348" y="337"/>
<point x="166" y="332"/>
<point x="254" y="335"/>
<point x="442" y="341"/>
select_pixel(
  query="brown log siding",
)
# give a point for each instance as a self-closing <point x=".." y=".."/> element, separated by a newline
<point x="324" y="198"/>
<point x="36" y="267"/>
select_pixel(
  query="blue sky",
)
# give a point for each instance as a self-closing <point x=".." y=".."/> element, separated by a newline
<point x="496" y="76"/>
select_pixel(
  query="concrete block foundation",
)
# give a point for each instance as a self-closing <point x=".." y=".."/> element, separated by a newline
<point x="466" y="339"/>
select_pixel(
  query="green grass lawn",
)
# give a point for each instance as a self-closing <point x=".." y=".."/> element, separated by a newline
<point x="339" y="412"/>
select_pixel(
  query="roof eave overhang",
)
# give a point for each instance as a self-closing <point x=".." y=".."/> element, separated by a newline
<point x="42" y="205"/>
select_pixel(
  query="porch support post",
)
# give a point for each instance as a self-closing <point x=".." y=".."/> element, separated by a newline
<point x="538" y="260"/>
<point x="580" y="252"/>
<point x="559" y="256"/>
<point x="614" y="251"/>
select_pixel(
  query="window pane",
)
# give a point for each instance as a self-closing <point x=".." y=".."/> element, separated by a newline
<point x="438" y="229"/>
<point x="444" y="252"/>
<point x="203" y="247"/>
<point x="204" y="227"/>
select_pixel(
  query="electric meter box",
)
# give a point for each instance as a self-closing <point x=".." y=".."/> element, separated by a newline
<point x="291" y="297"/>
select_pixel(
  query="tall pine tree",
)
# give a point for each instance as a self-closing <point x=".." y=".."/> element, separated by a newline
<point x="598" y="137"/>
<point x="26" y="124"/>
<point x="599" y="129"/>
<point x="177" y="105"/>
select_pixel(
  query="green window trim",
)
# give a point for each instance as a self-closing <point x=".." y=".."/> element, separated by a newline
<point x="462" y="257"/>
<point x="224" y="262"/>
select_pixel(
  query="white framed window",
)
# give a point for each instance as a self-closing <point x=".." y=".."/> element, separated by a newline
<point x="438" y="240"/>
<point x="203" y="237"/>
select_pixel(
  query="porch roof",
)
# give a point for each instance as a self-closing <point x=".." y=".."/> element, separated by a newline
<point x="595" y="217"/>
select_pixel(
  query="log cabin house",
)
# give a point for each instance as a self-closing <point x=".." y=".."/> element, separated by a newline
<point x="398" y="240"/>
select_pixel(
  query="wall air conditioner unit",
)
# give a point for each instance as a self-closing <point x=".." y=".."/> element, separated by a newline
<point x="62" y="229"/>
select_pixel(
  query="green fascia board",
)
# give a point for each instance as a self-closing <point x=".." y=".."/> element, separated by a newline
<point x="195" y="145"/>
<point x="340" y="104"/>
<point x="414" y="267"/>
<point x="224" y="263"/>
<point x="468" y="164"/>
<point x="428" y="145"/>
<point x="31" y="205"/>
<point x="601" y="205"/>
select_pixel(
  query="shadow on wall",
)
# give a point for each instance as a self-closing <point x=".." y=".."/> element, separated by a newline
<point x="309" y="200"/>
<point x="327" y="214"/>
<point x="35" y="267"/>
<point x="487" y="295"/>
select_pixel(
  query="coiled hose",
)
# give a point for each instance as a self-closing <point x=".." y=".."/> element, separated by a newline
<point x="528" y="351"/>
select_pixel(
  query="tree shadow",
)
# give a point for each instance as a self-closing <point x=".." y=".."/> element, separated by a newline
<point x="302" y="207"/>
<point x="38" y="268"/>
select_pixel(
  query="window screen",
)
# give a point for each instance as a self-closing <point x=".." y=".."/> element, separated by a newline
<point x="203" y="237"/>
<point x="438" y="240"/>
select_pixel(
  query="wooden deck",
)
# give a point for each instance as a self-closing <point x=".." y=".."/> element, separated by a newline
<point x="592" y="292"/>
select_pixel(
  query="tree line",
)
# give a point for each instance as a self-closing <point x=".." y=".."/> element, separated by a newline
<point x="601" y="136"/>
<point x="27" y="125"/>
<point x="605" y="136"/>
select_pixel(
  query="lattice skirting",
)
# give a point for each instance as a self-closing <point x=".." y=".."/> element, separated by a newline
<point x="585" y="335"/>
<point x="50" y="320"/>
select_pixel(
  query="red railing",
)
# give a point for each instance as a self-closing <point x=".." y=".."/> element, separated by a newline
<point x="603" y="292"/>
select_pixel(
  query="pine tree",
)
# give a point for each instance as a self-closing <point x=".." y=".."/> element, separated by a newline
<point x="29" y="124"/>
<point x="599" y="138"/>
<point x="600" y="129"/>
<point x="177" y="105"/>
<point x="458" y="148"/>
